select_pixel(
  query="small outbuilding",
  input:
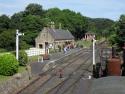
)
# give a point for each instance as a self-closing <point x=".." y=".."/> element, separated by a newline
<point x="89" y="36"/>
<point x="53" y="38"/>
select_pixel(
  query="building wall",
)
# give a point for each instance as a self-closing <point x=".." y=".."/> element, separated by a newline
<point x="43" y="37"/>
<point x="62" y="43"/>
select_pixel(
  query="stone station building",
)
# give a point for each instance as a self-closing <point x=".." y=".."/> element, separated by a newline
<point x="53" y="38"/>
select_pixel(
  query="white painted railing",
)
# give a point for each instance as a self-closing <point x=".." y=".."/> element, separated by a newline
<point x="35" y="51"/>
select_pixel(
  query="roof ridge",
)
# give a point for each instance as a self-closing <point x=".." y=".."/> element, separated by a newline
<point x="60" y="34"/>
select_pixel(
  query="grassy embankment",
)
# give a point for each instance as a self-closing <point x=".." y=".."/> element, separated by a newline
<point x="83" y="43"/>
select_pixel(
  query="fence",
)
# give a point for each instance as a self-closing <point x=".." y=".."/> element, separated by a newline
<point x="35" y="52"/>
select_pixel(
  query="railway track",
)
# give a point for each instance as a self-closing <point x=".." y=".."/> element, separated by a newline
<point x="42" y="89"/>
<point x="70" y="81"/>
<point x="67" y="86"/>
<point x="32" y="87"/>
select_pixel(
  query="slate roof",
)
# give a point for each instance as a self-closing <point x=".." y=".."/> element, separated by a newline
<point x="60" y="34"/>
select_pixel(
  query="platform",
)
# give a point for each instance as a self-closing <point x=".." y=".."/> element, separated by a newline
<point x="109" y="85"/>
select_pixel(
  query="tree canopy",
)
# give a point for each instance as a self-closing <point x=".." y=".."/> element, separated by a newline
<point x="100" y="26"/>
<point x="32" y="20"/>
<point x="119" y="29"/>
<point x="4" y="22"/>
<point x="74" y="22"/>
<point x="34" y="9"/>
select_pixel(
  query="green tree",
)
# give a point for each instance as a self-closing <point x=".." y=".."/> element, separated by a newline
<point x="32" y="23"/>
<point x="74" y="22"/>
<point x="29" y="37"/>
<point x="34" y="9"/>
<point x="100" y="26"/>
<point x="17" y="20"/>
<point x="120" y="31"/>
<point x="34" y="18"/>
<point x="26" y="21"/>
<point x="7" y="39"/>
<point x="23" y="44"/>
<point x="4" y="22"/>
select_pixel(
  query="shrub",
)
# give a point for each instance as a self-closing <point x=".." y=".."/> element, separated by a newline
<point x="23" y="59"/>
<point x="8" y="64"/>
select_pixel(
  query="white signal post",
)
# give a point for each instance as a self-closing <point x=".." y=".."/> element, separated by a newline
<point x="17" y="43"/>
<point x="94" y="41"/>
<point x="93" y="61"/>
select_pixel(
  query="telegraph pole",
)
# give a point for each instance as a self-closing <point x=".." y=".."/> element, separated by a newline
<point x="17" y="43"/>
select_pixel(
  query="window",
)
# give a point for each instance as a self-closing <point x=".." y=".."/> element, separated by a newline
<point x="40" y="46"/>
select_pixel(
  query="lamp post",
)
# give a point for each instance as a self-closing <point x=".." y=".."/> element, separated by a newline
<point x="94" y="51"/>
<point x="93" y="60"/>
<point x="17" y="43"/>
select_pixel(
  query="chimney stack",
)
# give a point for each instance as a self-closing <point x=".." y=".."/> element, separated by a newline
<point x="53" y="25"/>
<point x="60" y="26"/>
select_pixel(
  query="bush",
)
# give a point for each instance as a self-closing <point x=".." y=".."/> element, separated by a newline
<point x="3" y="50"/>
<point x="8" y="64"/>
<point x="23" y="59"/>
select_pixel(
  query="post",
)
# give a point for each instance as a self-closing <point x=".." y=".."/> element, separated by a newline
<point x="94" y="51"/>
<point x="93" y="60"/>
<point x="17" y="44"/>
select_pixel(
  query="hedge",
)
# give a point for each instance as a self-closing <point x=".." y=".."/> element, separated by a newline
<point x="8" y="64"/>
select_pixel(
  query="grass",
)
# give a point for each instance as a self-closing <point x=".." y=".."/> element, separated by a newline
<point x="4" y="53"/>
<point x="21" y="69"/>
<point x="33" y="58"/>
<point x="83" y="43"/>
<point x="5" y="78"/>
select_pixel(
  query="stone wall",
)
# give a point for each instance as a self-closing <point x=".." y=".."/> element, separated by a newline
<point x="15" y="83"/>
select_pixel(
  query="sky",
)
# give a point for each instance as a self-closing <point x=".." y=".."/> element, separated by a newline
<point x="111" y="9"/>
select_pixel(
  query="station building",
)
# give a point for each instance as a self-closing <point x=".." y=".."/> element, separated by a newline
<point x="53" y="38"/>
